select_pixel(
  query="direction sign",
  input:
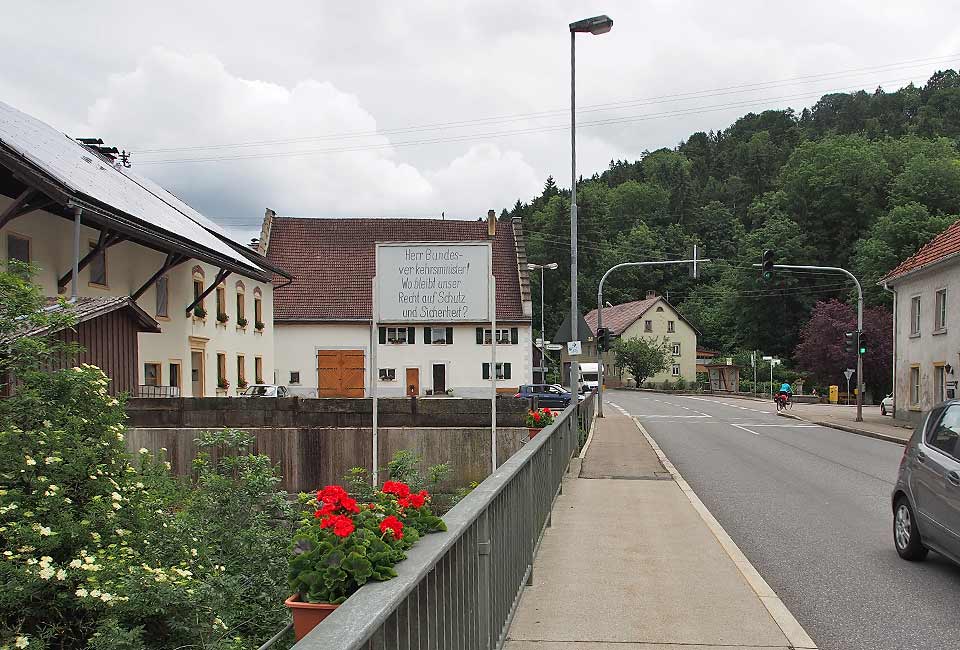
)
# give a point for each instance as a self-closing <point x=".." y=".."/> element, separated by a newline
<point x="433" y="282"/>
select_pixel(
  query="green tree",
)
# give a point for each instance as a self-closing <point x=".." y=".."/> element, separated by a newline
<point x="642" y="357"/>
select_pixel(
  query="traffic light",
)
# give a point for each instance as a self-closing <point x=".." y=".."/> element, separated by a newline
<point x="766" y="271"/>
<point x="861" y="344"/>
<point x="603" y="339"/>
<point x="849" y="342"/>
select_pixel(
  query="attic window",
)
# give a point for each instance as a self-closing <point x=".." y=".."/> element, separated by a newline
<point x="659" y="308"/>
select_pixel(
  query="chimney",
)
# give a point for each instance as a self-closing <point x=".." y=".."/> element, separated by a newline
<point x="265" y="229"/>
<point x="491" y="223"/>
<point x="651" y="293"/>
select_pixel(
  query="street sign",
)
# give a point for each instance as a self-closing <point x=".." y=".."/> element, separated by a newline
<point x="574" y="348"/>
<point x="848" y="373"/>
<point x="554" y="347"/>
<point x="433" y="282"/>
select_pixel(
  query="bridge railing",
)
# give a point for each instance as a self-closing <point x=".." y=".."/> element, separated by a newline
<point x="460" y="588"/>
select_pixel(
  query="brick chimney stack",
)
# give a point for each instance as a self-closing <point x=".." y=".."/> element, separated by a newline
<point x="491" y="223"/>
<point x="651" y="293"/>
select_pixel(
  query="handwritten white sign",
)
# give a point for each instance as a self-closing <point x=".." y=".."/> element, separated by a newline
<point x="433" y="283"/>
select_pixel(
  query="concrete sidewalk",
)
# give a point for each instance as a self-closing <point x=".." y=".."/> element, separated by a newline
<point x="843" y="417"/>
<point x="635" y="561"/>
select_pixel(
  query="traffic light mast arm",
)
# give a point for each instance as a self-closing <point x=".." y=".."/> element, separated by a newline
<point x="837" y="269"/>
<point x="600" y="314"/>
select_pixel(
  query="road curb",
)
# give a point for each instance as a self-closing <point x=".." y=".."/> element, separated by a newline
<point x="796" y="636"/>
<point x="849" y="429"/>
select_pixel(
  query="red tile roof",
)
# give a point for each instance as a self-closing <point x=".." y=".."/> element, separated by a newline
<point x="619" y="317"/>
<point x="939" y="248"/>
<point x="332" y="263"/>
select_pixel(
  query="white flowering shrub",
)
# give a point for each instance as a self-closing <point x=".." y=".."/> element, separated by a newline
<point x="100" y="552"/>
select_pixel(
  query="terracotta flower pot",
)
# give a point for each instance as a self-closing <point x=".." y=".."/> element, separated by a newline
<point x="306" y="616"/>
<point x="534" y="431"/>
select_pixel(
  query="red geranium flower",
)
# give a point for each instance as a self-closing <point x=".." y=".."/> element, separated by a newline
<point x="536" y="416"/>
<point x="327" y="509"/>
<point x="350" y="505"/>
<point x="394" y="525"/>
<point x="402" y="490"/>
<point x="418" y="499"/>
<point x="331" y="494"/>
<point x="341" y="524"/>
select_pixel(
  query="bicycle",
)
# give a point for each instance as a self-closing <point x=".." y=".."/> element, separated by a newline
<point x="783" y="402"/>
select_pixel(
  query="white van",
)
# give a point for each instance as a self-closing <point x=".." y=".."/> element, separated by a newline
<point x="589" y="376"/>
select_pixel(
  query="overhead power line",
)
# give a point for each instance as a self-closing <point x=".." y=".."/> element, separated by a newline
<point x="484" y="121"/>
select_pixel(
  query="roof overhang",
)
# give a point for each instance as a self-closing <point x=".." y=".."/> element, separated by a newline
<point x="101" y="215"/>
<point x="932" y="266"/>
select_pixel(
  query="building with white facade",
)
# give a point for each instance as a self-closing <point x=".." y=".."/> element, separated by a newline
<point x="926" y="325"/>
<point x="651" y="318"/>
<point x="67" y="208"/>
<point x="323" y="317"/>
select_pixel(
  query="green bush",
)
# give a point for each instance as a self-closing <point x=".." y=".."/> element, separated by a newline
<point x="103" y="553"/>
<point x="680" y="384"/>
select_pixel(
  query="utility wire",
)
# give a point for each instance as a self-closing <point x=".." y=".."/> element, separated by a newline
<point x="496" y="134"/>
<point x="686" y="96"/>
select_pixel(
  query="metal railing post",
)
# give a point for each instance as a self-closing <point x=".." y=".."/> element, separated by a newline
<point x="483" y="581"/>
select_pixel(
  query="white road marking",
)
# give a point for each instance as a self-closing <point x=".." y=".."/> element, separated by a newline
<point x="702" y="415"/>
<point x="744" y="428"/>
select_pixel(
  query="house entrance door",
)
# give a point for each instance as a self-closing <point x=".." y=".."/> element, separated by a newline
<point x="439" y="378"/>
<point x="413" y="382"/>
<point x="196" y="373"/>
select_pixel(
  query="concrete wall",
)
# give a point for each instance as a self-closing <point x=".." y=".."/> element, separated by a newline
<point x="248" y="413"/>
<point x="929" y="348"/>
<point x="297" y="346"/>
<point x="128" y="266"/>
<point x="308" y="458"/>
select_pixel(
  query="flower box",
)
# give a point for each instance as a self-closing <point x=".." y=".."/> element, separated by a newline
<point x="306" y="616"/>
<point x="532" y="431"/>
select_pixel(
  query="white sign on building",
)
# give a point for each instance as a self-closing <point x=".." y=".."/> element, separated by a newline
<point x="438" y="283"/>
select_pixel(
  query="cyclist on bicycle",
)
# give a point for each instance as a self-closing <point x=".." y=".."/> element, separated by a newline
<point x="785" y="392"/>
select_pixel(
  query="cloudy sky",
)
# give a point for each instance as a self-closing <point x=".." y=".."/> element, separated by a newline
<point x="319" y="108"/>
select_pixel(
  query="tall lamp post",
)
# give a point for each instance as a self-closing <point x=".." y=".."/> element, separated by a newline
<point x="595" y="25"/>
<point x="543" y="334"/>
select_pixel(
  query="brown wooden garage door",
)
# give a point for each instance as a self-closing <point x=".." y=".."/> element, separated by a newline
<point x="340" y="373"/>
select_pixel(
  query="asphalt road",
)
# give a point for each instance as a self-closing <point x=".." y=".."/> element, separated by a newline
<point x="810" y="507"/>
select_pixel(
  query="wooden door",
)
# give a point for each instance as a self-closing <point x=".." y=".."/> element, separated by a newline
<point x="413" y="382"/>
<point x="439" y="378"/>
<point x="340" y="373"/>
<point x="196" y="373"/>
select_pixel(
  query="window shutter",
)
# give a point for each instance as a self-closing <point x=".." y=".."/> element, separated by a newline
<point x="412" y="335"/>
<point x="383" y="335"/>
<point x="449" y="335"/>
<point x="479" y="336"/>
<point x="427" y="336"/>
<point x="514" y="335"/>
<point x="506" y="370"/>
<point x="486" y="371"/>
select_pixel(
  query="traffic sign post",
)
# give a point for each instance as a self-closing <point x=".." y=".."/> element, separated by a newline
<point x="848" y="373"/>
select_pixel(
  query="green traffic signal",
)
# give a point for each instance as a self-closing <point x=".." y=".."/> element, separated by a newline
<point x="767" y="265"/>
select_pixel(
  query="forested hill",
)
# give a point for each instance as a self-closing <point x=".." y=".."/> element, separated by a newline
<point x="860" y="181"/>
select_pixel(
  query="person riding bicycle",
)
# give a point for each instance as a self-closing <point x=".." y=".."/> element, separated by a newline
<point x="785" y="392"/>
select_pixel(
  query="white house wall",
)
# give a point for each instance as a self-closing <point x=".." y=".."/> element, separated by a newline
<point x="129" y="266"/>
<point x="297" y="346"/>
<point x="926" y="350"/>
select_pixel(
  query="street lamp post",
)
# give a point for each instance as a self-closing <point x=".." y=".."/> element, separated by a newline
<point x="595" y="25"/>
<point x="543" y="334"/>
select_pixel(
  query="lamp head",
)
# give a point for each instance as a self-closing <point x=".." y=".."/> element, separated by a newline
<point x="595" y="25"/>
<point x="552" y="266"/>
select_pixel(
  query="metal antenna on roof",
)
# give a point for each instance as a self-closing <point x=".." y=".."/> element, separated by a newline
<point x="443" y="216"/>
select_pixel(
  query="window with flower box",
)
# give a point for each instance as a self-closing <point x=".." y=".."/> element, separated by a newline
<point x="504" y="370"/>
<point x="398" y="335"/>
<point x="505" y="336"/>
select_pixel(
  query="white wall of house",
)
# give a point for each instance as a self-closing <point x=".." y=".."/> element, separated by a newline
<point x="683" y="365"/>
<point x="128" y="266"/>
<point x="297" y="345"/>
<point x="923" y="353"/>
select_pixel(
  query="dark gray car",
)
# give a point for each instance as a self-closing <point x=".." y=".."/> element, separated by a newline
<point x="926" y="499"/>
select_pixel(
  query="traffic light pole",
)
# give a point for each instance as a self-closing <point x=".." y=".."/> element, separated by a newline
<point x="836" y="269"/>
<point x="600" y="352"/>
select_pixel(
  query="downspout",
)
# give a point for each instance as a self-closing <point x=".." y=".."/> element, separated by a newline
<point x="893" y="365"/>
<point x="77" y="210"/>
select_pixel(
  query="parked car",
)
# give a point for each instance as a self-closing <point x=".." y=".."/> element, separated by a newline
<point x="265" y="390"/>
<point x="547" y="395"/>
<point x="886" y="405"/>
<point x="926" y="498"/>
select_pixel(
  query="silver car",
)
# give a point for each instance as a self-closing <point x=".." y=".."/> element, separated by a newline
<point x="926" y="498"/>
